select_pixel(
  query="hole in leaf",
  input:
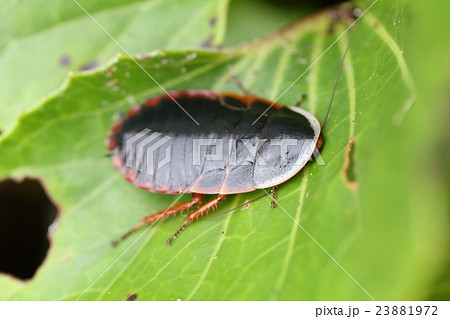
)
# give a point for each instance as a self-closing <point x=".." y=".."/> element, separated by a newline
<point x="348" y="169"/>
<point x="26" y="213"/>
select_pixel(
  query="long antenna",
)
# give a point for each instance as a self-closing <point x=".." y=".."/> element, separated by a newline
<point x="228" y="211"/>
<point x="337" y="78"/>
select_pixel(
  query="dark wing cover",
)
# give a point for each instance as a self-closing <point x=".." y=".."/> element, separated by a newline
<point x="160" y="149"/>
<point x="286" y="145"/>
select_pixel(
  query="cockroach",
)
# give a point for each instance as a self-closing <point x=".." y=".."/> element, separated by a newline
<point x="157" y="147"/>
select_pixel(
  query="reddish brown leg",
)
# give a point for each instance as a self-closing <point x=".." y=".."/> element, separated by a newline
<point x="273" y="194"/>
<point x="197" y="214"/>
<point x="196" y="199"/>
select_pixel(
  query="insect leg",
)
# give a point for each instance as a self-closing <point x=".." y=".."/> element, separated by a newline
<point x="273" y="203"/>
<point x="239" y="84"/>
<point x="196" y="199"/>
<point x="196" y="214"/>
<point x="301" y="99"/>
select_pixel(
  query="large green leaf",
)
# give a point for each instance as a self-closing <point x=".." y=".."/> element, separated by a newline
<point x="43" y="40"/>
<point x="382" y="244"/>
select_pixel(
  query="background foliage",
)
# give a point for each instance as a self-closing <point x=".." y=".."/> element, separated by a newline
<point x="384" y="220"/>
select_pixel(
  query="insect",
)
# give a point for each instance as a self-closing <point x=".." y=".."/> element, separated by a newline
<point x="224" y="155"/>
<point x="223" y="152"/>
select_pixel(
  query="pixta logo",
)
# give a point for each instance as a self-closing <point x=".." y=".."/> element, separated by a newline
<point x="252" y="150"/>
<point x="147" y="151"/>
<point x="141" y="148"/>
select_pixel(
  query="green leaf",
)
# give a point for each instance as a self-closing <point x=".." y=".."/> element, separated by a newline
<point x="35" y="54"/>
<point x="364" y="231"/>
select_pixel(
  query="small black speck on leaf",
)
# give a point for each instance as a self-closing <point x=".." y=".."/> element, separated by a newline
<point x="65" y="61"/>
<point x="132" y="297"/>
<point x="208" y="42"/>
<point x="89" y="66"/>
